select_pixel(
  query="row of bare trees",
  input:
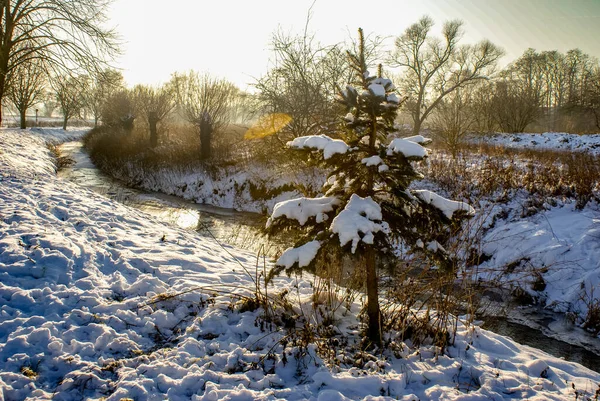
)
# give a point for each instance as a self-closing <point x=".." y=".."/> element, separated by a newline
<point x="450" y="87"/>
<point x="543" y="91"/>
<point x="201" y="100"/>
<point x="74" y="95"/>
<point x="50" y="38"/>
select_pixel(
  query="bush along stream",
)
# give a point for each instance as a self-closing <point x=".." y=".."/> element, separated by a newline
<point x="529" y="325"/>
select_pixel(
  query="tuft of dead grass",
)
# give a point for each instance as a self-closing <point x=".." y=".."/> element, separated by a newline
<point x="497" y="172"/>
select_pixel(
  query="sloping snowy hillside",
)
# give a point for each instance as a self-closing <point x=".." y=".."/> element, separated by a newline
<point x="100" y="301"/>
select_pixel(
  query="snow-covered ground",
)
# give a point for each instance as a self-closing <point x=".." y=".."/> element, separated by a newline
<point x="547" y="140"/>
<point x="553" y="254"/>
<point x="100" y="301"/>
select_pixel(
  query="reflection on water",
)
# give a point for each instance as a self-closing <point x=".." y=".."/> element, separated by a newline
<point x="226" y="225"/>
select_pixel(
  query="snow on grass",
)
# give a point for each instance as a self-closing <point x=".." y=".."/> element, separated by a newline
<point x="229" y="187"/>
<point x="547" y="140"/>
<point x="100" y="301"/>
<point x="327" y="145"/>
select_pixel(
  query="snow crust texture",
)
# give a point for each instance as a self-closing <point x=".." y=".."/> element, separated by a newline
<point x="547" y="140"/>
<point x="100" y="301"/>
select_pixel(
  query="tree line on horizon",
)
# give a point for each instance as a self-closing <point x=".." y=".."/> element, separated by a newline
<point x="449" y="87"/>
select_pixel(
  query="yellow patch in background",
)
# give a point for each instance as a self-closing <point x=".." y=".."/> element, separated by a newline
<point x="268" y="125"/>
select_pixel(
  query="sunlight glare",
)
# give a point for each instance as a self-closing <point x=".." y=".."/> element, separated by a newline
<point x="268" y="125"/>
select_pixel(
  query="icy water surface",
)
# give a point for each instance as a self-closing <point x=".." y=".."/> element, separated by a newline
<point x="529" y="326"/>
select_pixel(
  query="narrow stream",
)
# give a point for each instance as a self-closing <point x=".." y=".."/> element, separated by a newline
<point x="530" y="326"/>
<point x="228" y="226"/>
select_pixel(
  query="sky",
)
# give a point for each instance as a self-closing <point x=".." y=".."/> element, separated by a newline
<point x="230" y="38"/>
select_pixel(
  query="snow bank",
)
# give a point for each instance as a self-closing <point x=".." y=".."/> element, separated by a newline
<point x="100" y="301"/>
<point x="558" y="245"/>
<point x="547" y="140"/>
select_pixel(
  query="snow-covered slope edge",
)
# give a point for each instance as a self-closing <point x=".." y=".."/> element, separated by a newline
<point x="547" y="140"/>
<point x="82" y="316"/>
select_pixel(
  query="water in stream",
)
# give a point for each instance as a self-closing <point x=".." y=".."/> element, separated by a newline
<point x="530" y="326"/>
<point x="226" y="225"/>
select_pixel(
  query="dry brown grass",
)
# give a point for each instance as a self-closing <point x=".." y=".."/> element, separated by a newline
<point x="497" y="172"/>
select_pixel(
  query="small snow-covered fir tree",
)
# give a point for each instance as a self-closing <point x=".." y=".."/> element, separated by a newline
<point x="367" y="208"/>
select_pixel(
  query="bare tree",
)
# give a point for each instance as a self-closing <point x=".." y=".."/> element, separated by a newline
<point x="244" y="107"/>
<point x="49" y="102"/>
<point x="70" y="95"/>
<point x="26" y="88"/>
<point x="118" y="111"/>
<point x="436" y="67"/>
<point x="153" y="104"/>
<point x="66" y="34"/>
<point x="106" y="83"/>
<point x="453" y="118"/>
<point x="204" y="101"/>
<point x="515" y="104"/>
<point x="591" y="96"/>
<point x="304" y="79"/>
<point x="482" y="107"/>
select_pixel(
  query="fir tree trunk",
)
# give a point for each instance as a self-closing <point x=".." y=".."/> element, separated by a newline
<point x="23" y="118"/>
<point x="373" y="312"/>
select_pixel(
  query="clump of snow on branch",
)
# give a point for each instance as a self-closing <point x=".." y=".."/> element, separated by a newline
<point x="372" y="161"/>
<point x="377" y="90"/>
<point x="301" y="209"/>
<point x="360" y="216"/>
<point x="434" y="246"/>
<point x="420" y="139"/>
<point x="324" y="143"/>
<point x="393" y="98"/>
<point x="446" y="206"/>
<point x="375" y="161"/>
<point x="302" y="255"/>
<point x="407" y="148"/>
